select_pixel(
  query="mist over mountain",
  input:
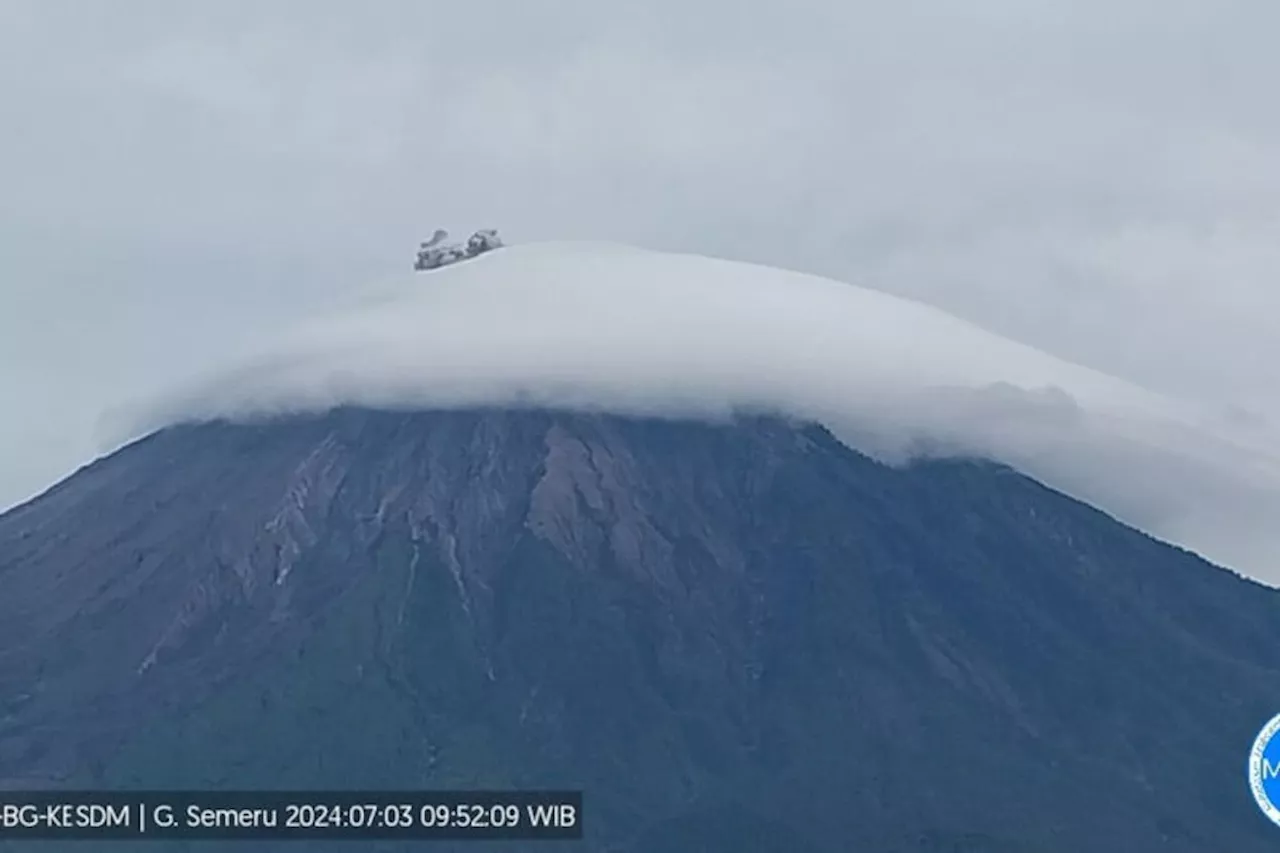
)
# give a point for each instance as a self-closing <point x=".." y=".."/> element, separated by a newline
<point x="602" y="327"/>
<point x="737" y="636"/>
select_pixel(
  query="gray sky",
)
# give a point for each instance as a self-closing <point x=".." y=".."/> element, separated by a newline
<point x="1099" y="179"/>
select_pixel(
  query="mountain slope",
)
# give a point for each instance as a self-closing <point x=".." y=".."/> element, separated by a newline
<point x="719" y="631"/>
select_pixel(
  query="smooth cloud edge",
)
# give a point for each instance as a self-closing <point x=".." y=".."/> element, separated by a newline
<point x="1148" y="466"/>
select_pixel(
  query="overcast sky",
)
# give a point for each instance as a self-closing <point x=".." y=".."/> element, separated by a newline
<point x="1099" y="179"/>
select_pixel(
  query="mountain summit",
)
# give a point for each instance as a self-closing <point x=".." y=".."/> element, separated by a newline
<point x="734" y="636"/>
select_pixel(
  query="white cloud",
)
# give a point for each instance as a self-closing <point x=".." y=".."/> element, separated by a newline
<point x="601" y="326"/>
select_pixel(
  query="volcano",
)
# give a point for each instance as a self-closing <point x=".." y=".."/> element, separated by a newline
<point x="733" y="635"/>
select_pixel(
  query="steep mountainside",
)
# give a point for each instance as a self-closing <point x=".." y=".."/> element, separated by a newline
<point x="738" y="636"/>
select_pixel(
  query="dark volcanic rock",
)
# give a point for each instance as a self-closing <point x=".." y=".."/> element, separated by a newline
<point x="740" y="636"/>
